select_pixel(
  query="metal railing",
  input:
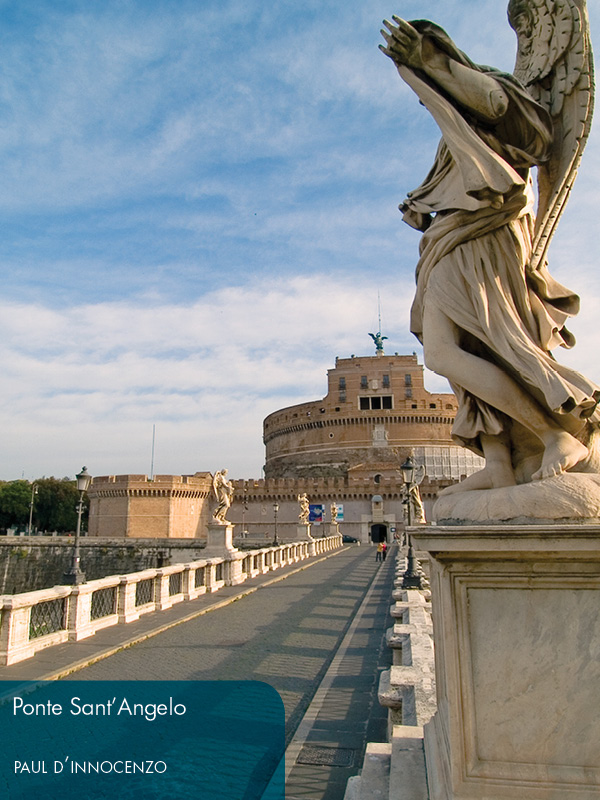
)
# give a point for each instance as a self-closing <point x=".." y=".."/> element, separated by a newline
<point x="48" y="617"/>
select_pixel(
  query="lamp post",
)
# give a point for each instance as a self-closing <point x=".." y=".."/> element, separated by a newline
<point x="275" y="512"/>
<point x="34" y="491"/>
<point x="244" y="510"/>
<point x="411" y="578"/>
<point x="74" y="576"/>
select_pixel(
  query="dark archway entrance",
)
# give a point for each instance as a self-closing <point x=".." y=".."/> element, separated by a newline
<point x="379" y="533"/>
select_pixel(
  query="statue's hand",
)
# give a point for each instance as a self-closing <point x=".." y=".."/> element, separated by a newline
<point x="404" y="44"/>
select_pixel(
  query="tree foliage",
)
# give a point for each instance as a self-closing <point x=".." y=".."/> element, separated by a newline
<point x="55" y="507"/>
<point x="54" y="504"/>
<point x="15" y="497"/>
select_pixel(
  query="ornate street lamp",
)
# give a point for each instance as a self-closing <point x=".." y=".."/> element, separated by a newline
<point x="34" y="491"/>
<point x="275" y="512"/>
<point x="74" y="576"/>
<point x="412" y="577"/>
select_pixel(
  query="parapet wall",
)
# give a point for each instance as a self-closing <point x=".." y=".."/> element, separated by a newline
<point x="28" y="563"/>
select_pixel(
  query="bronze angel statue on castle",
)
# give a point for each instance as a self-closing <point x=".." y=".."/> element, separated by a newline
<point x="486" y="308"/>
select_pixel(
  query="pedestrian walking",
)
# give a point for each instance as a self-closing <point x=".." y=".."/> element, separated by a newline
<point x="379" y="553"/>
<point x="383" y="551"/>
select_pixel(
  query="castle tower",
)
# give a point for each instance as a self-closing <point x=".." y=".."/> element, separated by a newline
<point x="375" y="410"/>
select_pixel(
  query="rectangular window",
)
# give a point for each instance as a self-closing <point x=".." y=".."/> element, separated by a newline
<point x="408" y="392"/>
<point x="408" y="380"/>
<point x="342" y="397"/>
<point x="375" y="403"/>
<point x="386" y="382"/>
<point x="342" y="385"/>
<point x="364" y="384"/>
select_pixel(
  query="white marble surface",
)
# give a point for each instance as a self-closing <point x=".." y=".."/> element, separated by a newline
<point x="570" y="496"/>
<point x="535" y="674"/>
<point x="517" y="651"/>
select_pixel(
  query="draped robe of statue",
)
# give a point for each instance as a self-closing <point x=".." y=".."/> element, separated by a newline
<point x="476" y="210"/>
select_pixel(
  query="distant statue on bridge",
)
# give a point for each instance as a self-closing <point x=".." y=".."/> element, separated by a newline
<point x="304" y="508"/>
<point x="334" y="513"/>
<point x="411" y="495"/>
<point x="223" y="490"/>
<point x="417" y="511"/>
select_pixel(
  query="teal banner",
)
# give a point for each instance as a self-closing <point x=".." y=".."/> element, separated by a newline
<point x="150" y="740"/>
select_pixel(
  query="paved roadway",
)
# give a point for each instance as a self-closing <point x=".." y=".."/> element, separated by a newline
<point x="322" y="626"/>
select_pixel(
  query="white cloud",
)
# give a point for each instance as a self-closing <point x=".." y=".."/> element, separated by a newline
<point x="91" y="381"/>
<point x="86" y="384"/>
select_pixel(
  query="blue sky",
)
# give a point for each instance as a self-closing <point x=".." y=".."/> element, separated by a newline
<point x="198" y="207"/>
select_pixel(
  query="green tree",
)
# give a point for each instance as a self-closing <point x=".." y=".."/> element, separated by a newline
<point x="15" y="497"/>
<point x="55" y="507"/>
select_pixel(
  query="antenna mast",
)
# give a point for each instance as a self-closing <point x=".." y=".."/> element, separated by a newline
<point x="377" y="337"/>
<point x="152" y="459"/>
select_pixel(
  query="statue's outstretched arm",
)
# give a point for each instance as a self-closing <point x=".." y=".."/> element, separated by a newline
<point x="479" y="93"/>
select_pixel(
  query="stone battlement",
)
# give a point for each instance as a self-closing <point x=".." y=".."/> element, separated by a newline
<point x="197" y="478"/>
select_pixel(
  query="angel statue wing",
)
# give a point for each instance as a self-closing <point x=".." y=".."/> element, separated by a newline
<point x="554" y="62"/>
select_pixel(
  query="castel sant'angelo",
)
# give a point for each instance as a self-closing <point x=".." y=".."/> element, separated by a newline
<point x="345" y="448"/>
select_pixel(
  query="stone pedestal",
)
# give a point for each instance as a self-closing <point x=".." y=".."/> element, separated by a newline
<point x="219" y="540"/>
<point x="517" y="652"/>
<point x="219" y="544"/>
<point x="303" y="533"/>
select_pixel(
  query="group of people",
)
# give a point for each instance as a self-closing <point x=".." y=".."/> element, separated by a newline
<point x="381" y="551"/>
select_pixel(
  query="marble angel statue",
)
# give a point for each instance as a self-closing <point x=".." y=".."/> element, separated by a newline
<point x="333" y="508"/>
<point x="486" y="308"/>
<point x="223" y="491"/>
<point x="304" y="504"/>
<point x="411" y="494"/>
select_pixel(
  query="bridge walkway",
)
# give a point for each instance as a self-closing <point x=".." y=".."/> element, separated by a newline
<point x="314" y="631"/>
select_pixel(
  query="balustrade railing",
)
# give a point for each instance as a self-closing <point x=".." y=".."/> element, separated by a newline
<point x="35" y="620"/>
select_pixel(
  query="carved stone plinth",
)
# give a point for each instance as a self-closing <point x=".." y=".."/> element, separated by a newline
<point x="219" y="544"/>
<point x="517" y="652"/>
<point x="219" y="540"/>
<point x="303" y="533"/>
